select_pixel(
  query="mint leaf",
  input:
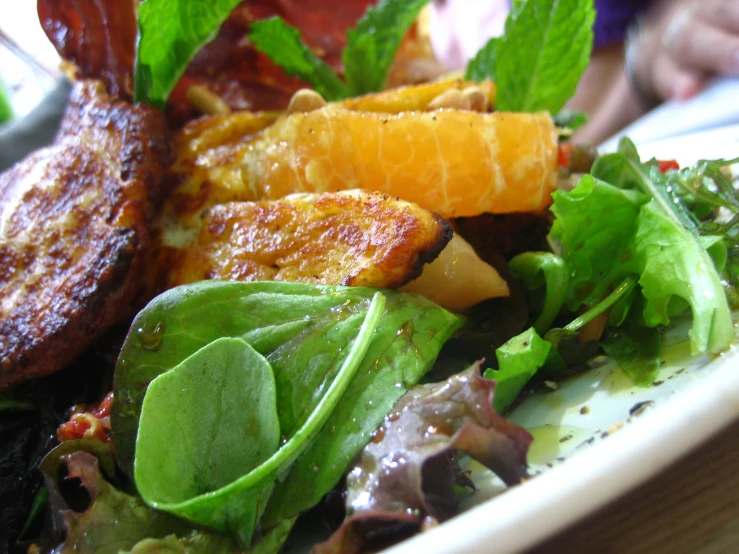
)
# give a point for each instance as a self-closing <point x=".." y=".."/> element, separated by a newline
<point x="542" y="55"/>
<point x="170" y="34"/>
<point x="482" y="66"/>
<point x="285" y="47"/>
<point x="374" y="42"/>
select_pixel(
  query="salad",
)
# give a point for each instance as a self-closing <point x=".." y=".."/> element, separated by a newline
<point x="323" y="312"/>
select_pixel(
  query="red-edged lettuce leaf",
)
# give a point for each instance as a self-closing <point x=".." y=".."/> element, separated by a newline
<point x="405" y="476"/>
<point x="105" y="520"/>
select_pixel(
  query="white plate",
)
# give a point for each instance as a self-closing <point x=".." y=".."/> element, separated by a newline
<point x="581" y="465"/>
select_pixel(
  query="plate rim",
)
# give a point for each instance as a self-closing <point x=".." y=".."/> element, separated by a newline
<point x="537" y="509"/>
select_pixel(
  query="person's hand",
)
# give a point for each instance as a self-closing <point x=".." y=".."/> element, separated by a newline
<point x="681" y="45"/>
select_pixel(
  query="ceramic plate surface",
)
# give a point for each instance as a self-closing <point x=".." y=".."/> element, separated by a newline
<point x="598" y="436"/>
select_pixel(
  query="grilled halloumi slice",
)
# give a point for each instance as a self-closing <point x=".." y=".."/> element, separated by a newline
<point x="344" y="238"/>
<point x="74" y="223"/>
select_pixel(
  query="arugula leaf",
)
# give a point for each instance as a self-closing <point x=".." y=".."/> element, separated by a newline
<point x="535" y="269"/>
<point x="374" y="42"/>
<point x="285" y="47"/>
<point x="621" y="292"/>
<point x="305" y="332"/>
<point x="222" y="395"/>
<point x="170" y="34"/>
<point x="518" y="360"/>
<point x="552" y="40"/>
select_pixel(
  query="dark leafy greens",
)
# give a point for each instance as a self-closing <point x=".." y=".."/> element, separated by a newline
<point x="305" y="332"/>
<point x="223" y="487"/>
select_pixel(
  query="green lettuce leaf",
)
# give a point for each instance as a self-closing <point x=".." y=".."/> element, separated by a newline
<point x="285" y="47"/>
<point x="373" y="43"/>
<point x="305" y="332"/>
<point x="518" y="361"/>
<point x="609" y="234"/>
<point x="539" y="60"/>
<point x="594" y="223"/>
<point x="170" y="34"/>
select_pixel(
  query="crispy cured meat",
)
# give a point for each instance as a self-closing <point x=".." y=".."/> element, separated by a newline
<point x="74" y="223"/>
<point x="345" y="238"/>
<point x="99" y="37"/>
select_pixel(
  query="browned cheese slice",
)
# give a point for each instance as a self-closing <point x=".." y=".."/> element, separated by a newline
<point x="73" y="228"/>
<point x="344" y="238"/>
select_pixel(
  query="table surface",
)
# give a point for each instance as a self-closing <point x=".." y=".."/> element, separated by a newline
<point x="693" y="506"/>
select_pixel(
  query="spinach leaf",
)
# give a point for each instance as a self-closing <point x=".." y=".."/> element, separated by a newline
<point x="304" y="331"/>
<point x="237" y="506"/>
<point x="552" y="39"/>
<point x="374" y="42"/>
<point x="217" y="412"/>
<point x="284" y="46"/>
<point x="518" y="361"/>
<point x="170" y="34"/>
<point x="535" y="269"/>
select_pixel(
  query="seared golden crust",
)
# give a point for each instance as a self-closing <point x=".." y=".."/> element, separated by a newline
<point x="73" y="227"/>
<point x="347" y="238"/>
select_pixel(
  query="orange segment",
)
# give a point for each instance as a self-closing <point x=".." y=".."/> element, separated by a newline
<point x="456" y="163"/>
